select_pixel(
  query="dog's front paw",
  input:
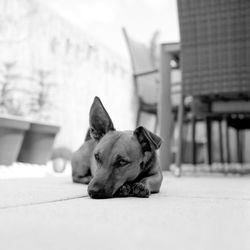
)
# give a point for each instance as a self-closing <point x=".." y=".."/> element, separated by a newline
<point x="140" y="190"/>
<point x="123" y="191"/>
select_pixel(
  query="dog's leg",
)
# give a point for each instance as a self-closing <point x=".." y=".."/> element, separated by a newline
<point x="147" y="185"/>
<point x="80" y="171"/>
<point x="82" y="179"/>
<point x="81" y="174"/>
<point x="123" y="191"/>
<point x="81" y="161"/>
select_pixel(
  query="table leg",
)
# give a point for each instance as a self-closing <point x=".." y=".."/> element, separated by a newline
<point x="165" y="110"/>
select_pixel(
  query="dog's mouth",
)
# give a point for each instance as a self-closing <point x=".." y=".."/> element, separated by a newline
<point x="96" y="193"/>
<point x="104" y="189"/>
<point x="100" y="195"/>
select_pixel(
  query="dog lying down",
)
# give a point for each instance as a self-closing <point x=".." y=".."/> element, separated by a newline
<point x="116" y="163"/>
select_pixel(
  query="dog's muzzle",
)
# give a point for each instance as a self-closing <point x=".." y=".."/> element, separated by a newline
<point x="97" y="192"/>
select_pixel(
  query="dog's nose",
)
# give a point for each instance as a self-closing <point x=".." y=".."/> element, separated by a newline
<point x="98" y="193"/>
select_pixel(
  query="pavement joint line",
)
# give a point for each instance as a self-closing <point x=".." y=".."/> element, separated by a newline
<point x="206" y="198"/>
<point x="85" y="196"/>
<point x="43" y="202"/>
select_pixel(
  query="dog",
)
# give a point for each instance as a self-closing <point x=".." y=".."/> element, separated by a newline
<point x="116" y="163"/>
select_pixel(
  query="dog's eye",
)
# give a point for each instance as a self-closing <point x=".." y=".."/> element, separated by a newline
<point x="121" y="163"/>
<point x="97" y="157"/>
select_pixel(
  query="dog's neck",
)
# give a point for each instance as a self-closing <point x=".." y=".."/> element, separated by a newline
<point x="148" y="161"/>
<point x="88" y="136"/>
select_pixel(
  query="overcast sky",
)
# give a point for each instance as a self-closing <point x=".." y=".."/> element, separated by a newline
<point x="103" y="19"/>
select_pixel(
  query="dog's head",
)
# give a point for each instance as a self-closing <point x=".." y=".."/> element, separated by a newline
<point x="118" y="156"/>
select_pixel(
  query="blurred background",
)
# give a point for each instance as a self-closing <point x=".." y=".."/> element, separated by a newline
<point x="57" y="55"/>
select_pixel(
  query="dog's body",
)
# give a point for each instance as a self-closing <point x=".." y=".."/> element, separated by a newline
<point x="115" y="163"/>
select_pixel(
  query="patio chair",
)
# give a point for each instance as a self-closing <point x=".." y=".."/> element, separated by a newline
<point x="239" y="124"/>
<point x="215" y="49"/>
<point x="146" y="77"/>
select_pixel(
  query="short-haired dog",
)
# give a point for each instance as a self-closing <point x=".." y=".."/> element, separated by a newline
<point x="117" y="163"/>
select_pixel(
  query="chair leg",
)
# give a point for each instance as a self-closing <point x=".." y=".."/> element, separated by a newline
<point x="209" y="142"/>
<point x="173" y="126"/>
<point x="221" y="142"/>
<point x="138" y="117"/>
<point x="193" y="124"/>
<point x="180" y="139"/>
<point x="227" y="143"/>
<point x="239" y="146"/>
<point x="243" y="145"/>
<point x="156" y="123"/>
<point x="172" y="132"/>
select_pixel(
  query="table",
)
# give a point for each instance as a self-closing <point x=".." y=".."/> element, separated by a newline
<point x="165" y="106"/>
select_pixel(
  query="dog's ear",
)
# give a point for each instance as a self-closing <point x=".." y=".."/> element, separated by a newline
<point x="99" y="120"/>
<point x="148" y="140"/>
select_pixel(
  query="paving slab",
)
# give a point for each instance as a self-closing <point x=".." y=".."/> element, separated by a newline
<point x="189" y="213"/>
<point x="28" y="191"/>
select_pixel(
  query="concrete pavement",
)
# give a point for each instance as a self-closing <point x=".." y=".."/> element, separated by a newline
<point x="190" y="213"/>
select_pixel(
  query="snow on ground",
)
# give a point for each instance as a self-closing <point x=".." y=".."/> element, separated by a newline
<point x="25" y="170"/>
